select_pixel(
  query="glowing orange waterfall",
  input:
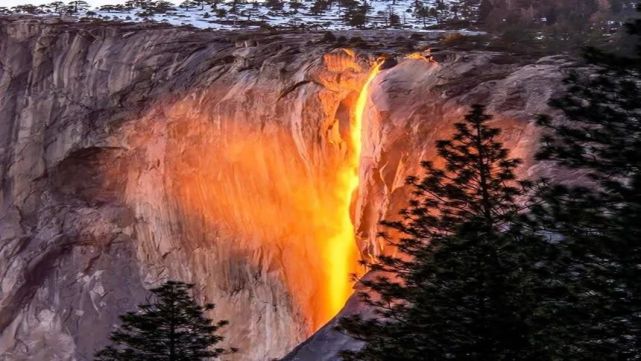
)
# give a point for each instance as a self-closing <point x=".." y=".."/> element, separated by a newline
<point x="341" y="250"/>
<point x="246" y="186"/>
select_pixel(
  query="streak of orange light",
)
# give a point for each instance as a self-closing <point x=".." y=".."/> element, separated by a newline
<point x="341" y="248"/>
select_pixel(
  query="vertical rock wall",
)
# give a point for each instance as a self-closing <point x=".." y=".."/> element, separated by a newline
<point x="130" y="154"/>
<point x="133" y="154"/>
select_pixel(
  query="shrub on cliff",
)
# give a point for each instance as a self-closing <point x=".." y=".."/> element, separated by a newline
<point x="356" y="13"/>
<point x="172" y="327"/>
<point x="457" y="290"/>
<point x="319" y="7"/>
<point x="328" y="37"/>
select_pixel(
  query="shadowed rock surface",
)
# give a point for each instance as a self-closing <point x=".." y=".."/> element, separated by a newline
<point x="130" y="154"/>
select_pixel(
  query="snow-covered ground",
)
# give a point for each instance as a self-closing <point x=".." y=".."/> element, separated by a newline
<point x="255" y="14"/>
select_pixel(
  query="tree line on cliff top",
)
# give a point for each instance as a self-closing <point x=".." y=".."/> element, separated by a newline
<point x="490" y="267"/>
<point x="355" y="13"/>
<point x="555" y="24"/>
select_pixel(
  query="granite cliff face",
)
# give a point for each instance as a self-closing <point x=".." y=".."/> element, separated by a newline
<point x="130" y="154"/>
<point x="411" y="106"/>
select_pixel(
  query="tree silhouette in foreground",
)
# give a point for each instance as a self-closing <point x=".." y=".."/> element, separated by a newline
<point x="172" y="328"/>
<point x="454" y="290"/>
<point x="597" y="225"/>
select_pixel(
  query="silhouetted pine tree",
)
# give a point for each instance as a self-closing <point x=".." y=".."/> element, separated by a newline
<point x="172" y="328"/>
<point x="595" y="228"/>
<point x="458" y="288"/>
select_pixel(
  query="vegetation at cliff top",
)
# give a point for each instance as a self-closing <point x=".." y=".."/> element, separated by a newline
<point x="552" y="26"/>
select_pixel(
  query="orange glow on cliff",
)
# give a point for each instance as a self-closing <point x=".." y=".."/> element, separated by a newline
<point x="341" y="248"/>
<point x="425" y="55"/>
<point x="272" y="203"/>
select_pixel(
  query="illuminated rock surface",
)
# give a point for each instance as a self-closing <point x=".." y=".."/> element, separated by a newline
<point x="412" y="105"/>
<point x="130" y="154"/>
